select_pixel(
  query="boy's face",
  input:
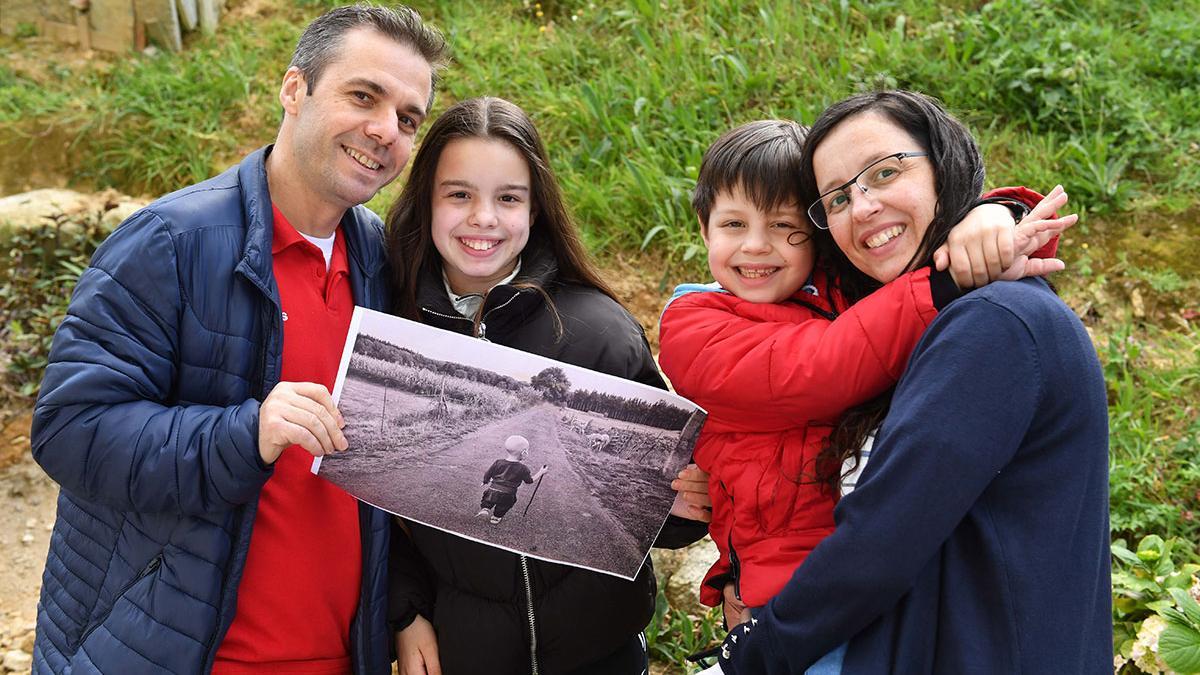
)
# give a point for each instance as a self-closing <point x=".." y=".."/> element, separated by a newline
<point x="757" y="256"/>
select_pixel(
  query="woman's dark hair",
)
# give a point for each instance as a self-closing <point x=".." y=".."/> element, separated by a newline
<point x="409" y="236"/>
<point x="958" y="181"/>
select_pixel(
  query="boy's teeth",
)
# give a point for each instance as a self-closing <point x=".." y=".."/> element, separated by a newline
<point x="757" y="273"/>
<point x="362" y="159"/>
<point x="885" y="236"/>
<point x="479" y="244"/>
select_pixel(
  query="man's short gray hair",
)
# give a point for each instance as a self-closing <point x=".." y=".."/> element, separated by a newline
<point x="321" y="41"/>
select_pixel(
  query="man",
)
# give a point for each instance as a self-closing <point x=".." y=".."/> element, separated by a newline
<point x="188" y="390"/>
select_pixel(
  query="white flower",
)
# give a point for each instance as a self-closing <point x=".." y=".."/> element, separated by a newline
<point x="1145" y="649"/>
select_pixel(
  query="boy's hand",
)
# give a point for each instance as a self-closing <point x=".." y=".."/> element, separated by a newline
<point x="1034" y="231"/>
<point x="736" y="612"/>
<point x="691" y="495"/>
<point x="986" y="247"/>
<point x="299" y="413"/>
<point x="417" y="650"/>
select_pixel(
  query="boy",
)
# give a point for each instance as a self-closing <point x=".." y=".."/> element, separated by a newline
<point x="505" y="476"/>
<point x="776" y="358"/>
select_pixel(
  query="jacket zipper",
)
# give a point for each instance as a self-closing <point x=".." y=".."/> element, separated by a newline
<point x="532" y="621"/>
<point x="146" y="571"/>
<point x="733" y="559"/>
<point x="733" y="569"/>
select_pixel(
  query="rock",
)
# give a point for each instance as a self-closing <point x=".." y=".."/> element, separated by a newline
<point x="32" y="208"/>
<point x="25" y="643"/>
<point x="31" y="523"/>
<point x="683" y="586"/>
<point x="1139" y="304"/>
<point x="18" y="661"/>
<point x="27" y="539"/>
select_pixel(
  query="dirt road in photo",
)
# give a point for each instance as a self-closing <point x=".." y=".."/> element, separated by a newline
<point x="442" y="488"/>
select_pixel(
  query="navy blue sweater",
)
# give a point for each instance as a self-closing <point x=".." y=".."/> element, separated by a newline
<point x="977" y="539"/>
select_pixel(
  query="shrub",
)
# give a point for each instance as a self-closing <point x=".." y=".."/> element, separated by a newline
<point x="43" y="263"/>
<point x="1156" y="613"/>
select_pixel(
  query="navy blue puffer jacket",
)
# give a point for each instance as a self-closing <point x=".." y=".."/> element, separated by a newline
<point x="148" y="419"/>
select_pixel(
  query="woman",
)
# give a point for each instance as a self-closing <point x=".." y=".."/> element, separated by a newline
<point x="976" y="539"/>
<point x="480" y="243"/>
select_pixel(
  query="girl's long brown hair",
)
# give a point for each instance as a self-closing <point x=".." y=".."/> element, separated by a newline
<point x="409" y="222"/>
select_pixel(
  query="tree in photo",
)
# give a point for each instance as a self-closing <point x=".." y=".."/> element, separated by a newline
<point x="552" y="383"/>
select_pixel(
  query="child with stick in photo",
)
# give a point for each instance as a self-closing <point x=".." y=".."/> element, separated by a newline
<point x="480" y="243"/>
<point x="503" y="478"/>
<point x="776" y="357"/>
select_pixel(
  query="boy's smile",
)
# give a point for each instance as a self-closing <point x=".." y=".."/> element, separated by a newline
<point x="758" y="256"/>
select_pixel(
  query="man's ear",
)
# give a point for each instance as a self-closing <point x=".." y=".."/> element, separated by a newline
<point x="292" y="91"/>
<point x="703" y="229"/>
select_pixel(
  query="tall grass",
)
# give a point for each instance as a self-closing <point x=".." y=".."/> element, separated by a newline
<point x="1097" y="95"/>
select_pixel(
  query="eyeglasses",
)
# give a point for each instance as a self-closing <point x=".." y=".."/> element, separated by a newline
<point x="878" y="176"/>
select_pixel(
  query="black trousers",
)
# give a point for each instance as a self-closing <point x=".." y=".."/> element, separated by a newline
<point x="499" y="502"/>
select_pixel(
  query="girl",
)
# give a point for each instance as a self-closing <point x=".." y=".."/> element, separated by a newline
<point x="481" y="243"/>
<point x="977" y="537"/>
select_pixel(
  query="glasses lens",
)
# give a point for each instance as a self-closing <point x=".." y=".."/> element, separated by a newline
<point x="816" y="213"/>
<point x="882" y="173"/>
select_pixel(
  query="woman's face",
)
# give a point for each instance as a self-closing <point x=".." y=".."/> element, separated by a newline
<point x="482" y="209"/>
<point x="881" y="229"/>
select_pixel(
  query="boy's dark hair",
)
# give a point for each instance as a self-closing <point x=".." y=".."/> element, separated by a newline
<point x="321" y="42"/>
<point x="762" y="158"/>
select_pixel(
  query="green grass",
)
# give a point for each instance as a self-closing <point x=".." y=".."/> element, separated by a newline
<point x="1096" y="95"/>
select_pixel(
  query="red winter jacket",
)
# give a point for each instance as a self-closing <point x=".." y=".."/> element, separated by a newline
<point x="775" y="379"/>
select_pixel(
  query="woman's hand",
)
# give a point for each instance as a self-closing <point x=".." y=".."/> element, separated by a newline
<point x="691" y="495"/>
<point x="986" y="247"/>
<point x="736" y="612"/>
<point x="417" y="650"/>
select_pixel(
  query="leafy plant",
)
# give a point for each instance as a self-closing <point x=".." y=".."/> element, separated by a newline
<point x="1156" y="616"/>
<point x="43" y="263"/>
<point x="673" y="635"/>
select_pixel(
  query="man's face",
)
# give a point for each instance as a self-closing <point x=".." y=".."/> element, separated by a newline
<point x="354" y="132"/>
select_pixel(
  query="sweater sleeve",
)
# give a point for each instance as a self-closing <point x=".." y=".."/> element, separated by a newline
<point x="104" y="424"/>
<point x="957" y="418"/>
<point x="754" y="373"/>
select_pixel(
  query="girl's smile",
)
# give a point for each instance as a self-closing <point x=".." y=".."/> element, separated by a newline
<point x="482" y="210"/>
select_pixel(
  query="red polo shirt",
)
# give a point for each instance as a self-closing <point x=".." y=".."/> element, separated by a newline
<point x="300" y="587"/>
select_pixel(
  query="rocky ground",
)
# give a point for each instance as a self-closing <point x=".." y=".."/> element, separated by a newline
<point x="27" y="499"/>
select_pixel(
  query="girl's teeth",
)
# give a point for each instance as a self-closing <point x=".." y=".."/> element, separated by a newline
<point x="479" y="244"/>
<point x="885" y="236"/>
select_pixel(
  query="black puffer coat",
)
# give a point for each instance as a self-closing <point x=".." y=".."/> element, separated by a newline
<point x="475" y="595"/>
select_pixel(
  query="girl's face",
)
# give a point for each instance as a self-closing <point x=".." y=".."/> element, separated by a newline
<point x="482" y="209"/>
<point x="880" y="231"/>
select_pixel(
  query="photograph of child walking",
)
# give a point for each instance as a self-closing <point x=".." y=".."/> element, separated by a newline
<point x="505" y="447"/>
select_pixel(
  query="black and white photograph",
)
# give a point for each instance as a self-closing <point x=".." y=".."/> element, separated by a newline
<point x="507" y="448"/>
